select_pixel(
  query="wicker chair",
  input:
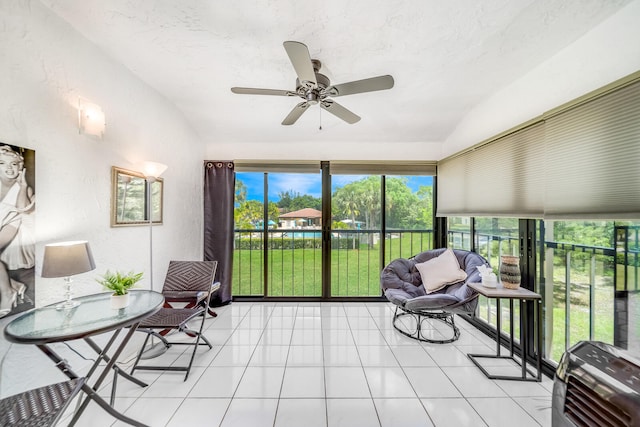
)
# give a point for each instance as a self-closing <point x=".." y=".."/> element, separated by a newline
<point x="39" y="407"/>
<point x="197" y="277"/>
<point x="177" y="287"/>
<point x="402" y="285"/>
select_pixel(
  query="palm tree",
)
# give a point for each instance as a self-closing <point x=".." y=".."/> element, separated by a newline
<point x="352" y="209"/>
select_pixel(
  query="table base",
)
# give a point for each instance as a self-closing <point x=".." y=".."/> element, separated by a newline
<point x="534" y="375"/>
<point x="92" y="391"/>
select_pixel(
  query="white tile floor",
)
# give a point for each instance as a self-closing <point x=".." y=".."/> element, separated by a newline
<point x="326" y="364"/>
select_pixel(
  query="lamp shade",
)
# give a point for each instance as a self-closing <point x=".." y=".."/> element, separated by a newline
<point x="153" y="169"/>
<point x="67" y="259"/>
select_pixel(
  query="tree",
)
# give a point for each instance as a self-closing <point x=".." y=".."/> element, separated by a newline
<point x="369" y="195"/>
<point x="285" y="199"/>
<point x="348" y="203"/>
<point x="403" y="207"/>
<point x="248" y="214"/>
<point x="273" y="213"/>
<point x="425" y="197"/>
<point x="293" y="201"/>
<point x="241" y="192"/>
<point x="306" y="201"/>
<point x="591" y="233"/>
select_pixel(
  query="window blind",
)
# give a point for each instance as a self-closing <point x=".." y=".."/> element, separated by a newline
<point x="502" y="178"/>
<point x="339" y="167"/>
<point x="382" y="168"/>
<point x="284" y="166"/>
<point x="593" y="158"/>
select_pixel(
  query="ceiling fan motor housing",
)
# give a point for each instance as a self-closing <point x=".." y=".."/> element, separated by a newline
<point x="310" y="93"/>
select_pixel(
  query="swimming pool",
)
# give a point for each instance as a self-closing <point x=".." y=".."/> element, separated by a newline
<point x="303" y="234"/>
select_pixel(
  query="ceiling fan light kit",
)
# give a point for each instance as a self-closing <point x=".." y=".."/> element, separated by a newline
<point x="315" y="88"/>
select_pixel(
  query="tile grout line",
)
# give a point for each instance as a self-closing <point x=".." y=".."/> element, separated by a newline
<point x="245" y="367"/>
<point x="373" y="402"/>
<point x="286" y="360"/>
<point x="407" y="377"/>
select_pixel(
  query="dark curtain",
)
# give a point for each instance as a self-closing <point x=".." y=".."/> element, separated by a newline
<point x="219" y="192"/>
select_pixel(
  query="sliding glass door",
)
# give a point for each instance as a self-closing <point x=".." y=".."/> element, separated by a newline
<point x="277" y="235"/>
<point x="355" y="235"/>
<point x="284" y="247"/>
<point x="249" y="236"/>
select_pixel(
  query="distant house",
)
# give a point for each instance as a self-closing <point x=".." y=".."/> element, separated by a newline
<point x="304" y="218"/>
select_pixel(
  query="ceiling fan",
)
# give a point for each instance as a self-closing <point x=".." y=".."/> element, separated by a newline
<point x="315" y="88"/>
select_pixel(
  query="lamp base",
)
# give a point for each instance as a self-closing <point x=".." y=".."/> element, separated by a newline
<point x="68" y="303"/>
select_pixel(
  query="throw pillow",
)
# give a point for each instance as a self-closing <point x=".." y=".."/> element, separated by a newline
<point x="440" y="271"/>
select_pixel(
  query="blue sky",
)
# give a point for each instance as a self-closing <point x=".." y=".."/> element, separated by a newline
<point x="305" y="183"/>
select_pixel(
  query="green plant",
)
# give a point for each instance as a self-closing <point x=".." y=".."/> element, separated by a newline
<point x="118" y="282"/>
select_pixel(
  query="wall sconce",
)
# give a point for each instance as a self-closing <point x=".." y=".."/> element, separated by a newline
<point x="91" y="119"/>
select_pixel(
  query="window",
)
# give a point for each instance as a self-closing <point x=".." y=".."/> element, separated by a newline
<point x="279" y="234"/>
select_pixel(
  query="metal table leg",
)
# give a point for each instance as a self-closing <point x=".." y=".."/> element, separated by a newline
<point x="524" y="342"/>
<point x="117" y="371"/>
<point x="524" y="322"/>
<point x="498" y="326"/>
<point x="91" y="391"/>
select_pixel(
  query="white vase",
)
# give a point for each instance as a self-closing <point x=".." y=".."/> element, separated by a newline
<point x="119" y="301"/>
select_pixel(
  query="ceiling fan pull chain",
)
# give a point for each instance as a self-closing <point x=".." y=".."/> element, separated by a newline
<point x="320" y="109"/>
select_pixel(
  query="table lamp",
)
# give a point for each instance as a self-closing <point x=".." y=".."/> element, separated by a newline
<point x="65" y="260"/>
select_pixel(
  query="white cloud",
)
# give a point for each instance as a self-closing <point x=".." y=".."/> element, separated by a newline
<point x="342" y="180"/>
<point x="303" y="183"/>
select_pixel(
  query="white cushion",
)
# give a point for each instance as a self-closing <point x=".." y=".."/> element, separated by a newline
<point x="440" y="271"/>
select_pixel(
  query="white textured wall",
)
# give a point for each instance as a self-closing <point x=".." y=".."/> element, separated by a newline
<point x="46" y="66"/>
<point x="608" y="52"/>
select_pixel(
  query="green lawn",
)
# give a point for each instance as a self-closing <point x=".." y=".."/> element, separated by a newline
<point x="298" y="272"/>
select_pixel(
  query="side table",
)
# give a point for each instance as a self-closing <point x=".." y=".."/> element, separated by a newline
<point x="522" y="295"/>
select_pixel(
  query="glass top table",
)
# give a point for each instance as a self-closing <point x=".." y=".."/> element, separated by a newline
<point x="93" y="316"/>
<point x="47" y="325"/>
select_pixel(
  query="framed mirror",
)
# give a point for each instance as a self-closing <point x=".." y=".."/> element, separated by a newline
<point x="130" y="200"/>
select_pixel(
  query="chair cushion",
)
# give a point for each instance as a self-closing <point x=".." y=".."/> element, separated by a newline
<point x="402" y="283"/>
<point x="428" y="302"/>
<point x="440" y="271"/>
<point x="401" y="274"/>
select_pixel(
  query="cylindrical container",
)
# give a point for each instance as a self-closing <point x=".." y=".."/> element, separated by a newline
<point x="510" y="271"/>
<point x="119" y="301"/>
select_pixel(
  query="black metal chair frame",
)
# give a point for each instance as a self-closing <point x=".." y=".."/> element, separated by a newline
<point x="191" y="298"/>
<point x="169" y="318"/>
<point x="42" y="406"/>
<point x="445" y="314"/>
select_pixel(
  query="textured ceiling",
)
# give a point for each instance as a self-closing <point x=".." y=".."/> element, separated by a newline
<point x="445" y="57"/>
